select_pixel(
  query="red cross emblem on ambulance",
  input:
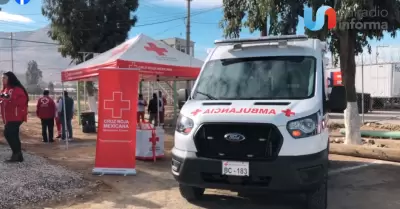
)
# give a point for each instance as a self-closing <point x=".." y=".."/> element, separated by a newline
<point x="117" y="105"/>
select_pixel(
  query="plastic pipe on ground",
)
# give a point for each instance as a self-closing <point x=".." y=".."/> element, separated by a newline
<point x="380" y="134"/>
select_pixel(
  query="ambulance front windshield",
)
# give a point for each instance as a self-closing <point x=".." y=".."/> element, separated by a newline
<point x="261" y="78"/>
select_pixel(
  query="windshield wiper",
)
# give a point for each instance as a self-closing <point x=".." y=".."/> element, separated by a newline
<point x="207" y="95"/>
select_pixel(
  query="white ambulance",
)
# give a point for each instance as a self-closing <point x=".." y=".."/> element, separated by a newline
<point x="256" y="120"/>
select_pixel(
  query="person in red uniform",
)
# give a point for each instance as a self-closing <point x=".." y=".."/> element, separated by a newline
<point x="14" y="111"/>
<point x="46" y="111"/>
<point x="58" y="122"/>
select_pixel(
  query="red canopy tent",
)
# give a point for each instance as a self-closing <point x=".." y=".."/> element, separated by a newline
<point x="154" y="59"/>
<point x="119" y="71"/>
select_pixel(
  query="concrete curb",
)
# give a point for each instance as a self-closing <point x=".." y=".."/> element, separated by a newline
<point x="386" y="154"/>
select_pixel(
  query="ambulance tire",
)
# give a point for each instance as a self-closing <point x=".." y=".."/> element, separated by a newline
<point x="318" y="199"/>
<point x="190" y="193"/>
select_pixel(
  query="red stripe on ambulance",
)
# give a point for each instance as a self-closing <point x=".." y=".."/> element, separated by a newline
<point x="263" y="111"/>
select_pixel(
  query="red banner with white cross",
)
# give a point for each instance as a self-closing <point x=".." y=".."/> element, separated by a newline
<point x="116" y="138"/>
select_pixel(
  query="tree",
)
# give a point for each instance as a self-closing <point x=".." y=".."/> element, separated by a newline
<point x="344" y="43"/>
<point x="51" y="87"/>
<point x="33" y="77"/>
<point x="89" y="25"/>
<point x="258" y="13"/>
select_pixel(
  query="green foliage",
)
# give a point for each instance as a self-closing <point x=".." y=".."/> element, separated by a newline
<point x="358" y="11"/>
<point x="33" y="73"/>
<point x="282" y="16"/>
<point x="33" y="77"/>
<point x="89" y="25"/>
<point x="344" y="43"/>
<point x="51" y="87"/>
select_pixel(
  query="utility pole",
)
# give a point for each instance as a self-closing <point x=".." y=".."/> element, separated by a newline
<point x="12" y="52"/>
<point x="362" y="88"/>
<point x="188" y="28"/>
<point x="188" y="86"/>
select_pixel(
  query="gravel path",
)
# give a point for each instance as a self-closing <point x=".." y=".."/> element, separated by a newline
<point x="34" y="181"/>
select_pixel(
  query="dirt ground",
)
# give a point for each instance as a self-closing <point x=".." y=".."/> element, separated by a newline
<point x="353" y="182"/>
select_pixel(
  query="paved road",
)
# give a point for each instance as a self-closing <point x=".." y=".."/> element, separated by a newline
<point x="375" y="116"/>
<point x="353" y="183"/>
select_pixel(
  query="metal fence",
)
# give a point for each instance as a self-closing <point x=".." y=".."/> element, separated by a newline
<point x="377" y="83"/>
<point x="35" y="97"/>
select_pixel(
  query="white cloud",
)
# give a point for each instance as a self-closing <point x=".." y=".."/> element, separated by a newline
<point x="196" y="4"/>
<point x="7" y="17"/>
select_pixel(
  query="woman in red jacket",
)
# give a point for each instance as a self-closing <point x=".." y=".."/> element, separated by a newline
<point x="14" y="111"/>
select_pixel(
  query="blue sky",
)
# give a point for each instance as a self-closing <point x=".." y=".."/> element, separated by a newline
<point x="204" y="28"/>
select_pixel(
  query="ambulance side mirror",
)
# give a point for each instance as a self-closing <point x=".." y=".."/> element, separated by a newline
<point x="183" y="95"/>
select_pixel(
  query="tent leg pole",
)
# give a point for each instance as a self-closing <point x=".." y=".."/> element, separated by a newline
<point x="175" y="99"/>
<point x="158" y="104"/>
<point x="188" y="85"/>
<point x="84" y="95"/>
<point x="141" y="87"/>
<point x="148" y="90"/>
<point x="78" y="100"/>
<point x="65" y="117"/>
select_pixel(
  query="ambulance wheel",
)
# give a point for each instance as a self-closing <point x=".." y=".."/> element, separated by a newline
<point x="191" y="193"/>
<point x="318" y="199"/>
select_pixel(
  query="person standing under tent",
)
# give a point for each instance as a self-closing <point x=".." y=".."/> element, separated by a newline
<point x="162" y="111"/>
<point x="154" y="110"/>
<point x="14" y="111"/>
<point x="141" y="108"/>
<point x="66" y="122"/>
<point x="58" y="121"/>
<point x="46" y="111"/>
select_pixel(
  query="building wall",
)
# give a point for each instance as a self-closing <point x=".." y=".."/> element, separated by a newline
<point x="179" y="44"/>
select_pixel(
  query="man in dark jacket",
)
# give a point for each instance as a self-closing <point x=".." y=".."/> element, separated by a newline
<point x="46" y="111"/>
<point x="66" y="122"/>
<point x="153" y="109"/>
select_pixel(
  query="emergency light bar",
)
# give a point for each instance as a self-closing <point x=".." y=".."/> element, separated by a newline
<point x="267" y="39"/>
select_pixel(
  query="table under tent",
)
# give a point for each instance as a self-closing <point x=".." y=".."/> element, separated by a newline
<point x="120" y="73"/>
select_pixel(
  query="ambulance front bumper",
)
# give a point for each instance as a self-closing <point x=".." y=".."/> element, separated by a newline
<point x="284" y="174"/>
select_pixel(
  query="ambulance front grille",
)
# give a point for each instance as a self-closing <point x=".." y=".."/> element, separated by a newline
<point x="262" y="141"/>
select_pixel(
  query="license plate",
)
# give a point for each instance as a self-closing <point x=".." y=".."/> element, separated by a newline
<point x="232" y="168"/>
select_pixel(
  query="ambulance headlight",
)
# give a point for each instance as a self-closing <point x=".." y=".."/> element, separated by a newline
<point x="184" y="124"/>
<point x="303" y="127"/>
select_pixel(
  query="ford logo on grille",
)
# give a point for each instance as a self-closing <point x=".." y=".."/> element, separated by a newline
<point x="234" y="137"/>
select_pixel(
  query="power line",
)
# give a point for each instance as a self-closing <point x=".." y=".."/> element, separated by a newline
<point x="136" y="26"/>
<point x="89" y="10"/>
<point x="30" y="46"/>
<point x="206" y="23"/>
<point x="165" y="21"/>
<point x="29" y="41"/>
<point x="170" y="28"/>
